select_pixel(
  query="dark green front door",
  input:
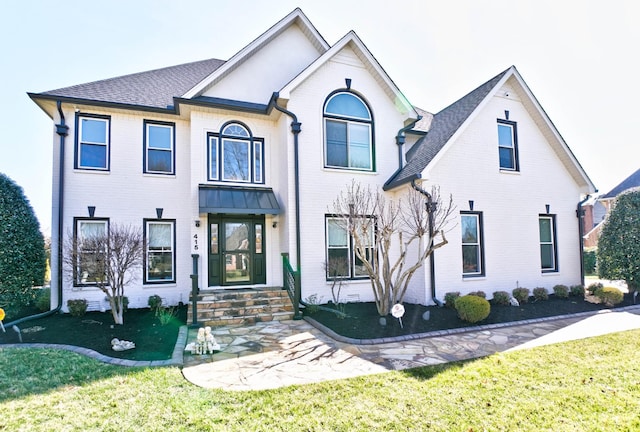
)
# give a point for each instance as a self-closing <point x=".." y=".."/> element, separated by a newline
<point x="236" y="250"/>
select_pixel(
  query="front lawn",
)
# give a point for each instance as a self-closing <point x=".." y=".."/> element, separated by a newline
<point x="585" y="385"/>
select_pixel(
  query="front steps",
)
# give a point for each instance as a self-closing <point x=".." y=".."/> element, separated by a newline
<point x="241" y="306"/>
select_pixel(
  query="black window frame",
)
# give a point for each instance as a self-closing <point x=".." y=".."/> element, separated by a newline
<point x="145" y="155"/>
<point x="516" y="159"/>
<point x="145" y="275"/>
<point x="76" y="265"/>
<point x="349" y="120"/>
<point x="79" y="143"/>
<point x="256" y="176"/>
<point x="554" y="243"/>
<point x="480" y="225"/>
<point x="351" y="252"/>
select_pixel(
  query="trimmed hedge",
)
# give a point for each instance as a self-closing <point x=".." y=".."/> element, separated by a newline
<point x="472" y="308"/>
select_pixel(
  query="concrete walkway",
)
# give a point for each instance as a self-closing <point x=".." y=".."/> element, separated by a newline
<point x="277" y="354"/>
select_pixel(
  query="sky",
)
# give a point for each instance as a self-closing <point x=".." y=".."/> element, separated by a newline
<point x="580" y="59"/>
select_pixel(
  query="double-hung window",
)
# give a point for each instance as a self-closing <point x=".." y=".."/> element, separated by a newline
<point x="508" y="145"/>
<point x="348" y="133"/>
<point x="159" y="251"/>
<point x="159" y="147"/>
<point x="343" y="260"/>
<point x="472" y="248"/>
<point x="235" y="155"/>
<point x="90" y="242"/>
<point x="92" y="142"/>
<point x="548" y="249"/>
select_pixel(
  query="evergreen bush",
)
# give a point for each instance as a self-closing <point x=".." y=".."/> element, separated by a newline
<point x="501" y="298"/>
<point x="521" y="294"/>
<point x="22" y="251"/>
<point x="561" y="291"/>
<point x="472" y="308"/>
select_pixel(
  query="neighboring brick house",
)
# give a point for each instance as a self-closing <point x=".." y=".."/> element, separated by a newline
<point x="226" y="165"/>
<point x="603" y="205"/>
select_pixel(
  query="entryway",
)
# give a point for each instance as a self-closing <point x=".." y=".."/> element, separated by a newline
<point x="236" y="250"/>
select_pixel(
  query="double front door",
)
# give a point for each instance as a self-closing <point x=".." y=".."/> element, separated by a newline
<point x="236" y="250"/>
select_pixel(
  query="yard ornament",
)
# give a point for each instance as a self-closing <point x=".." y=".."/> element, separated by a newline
<point x="1" y="318"/>
<point x="398" y="312"/>
<point x="121" y="345"/>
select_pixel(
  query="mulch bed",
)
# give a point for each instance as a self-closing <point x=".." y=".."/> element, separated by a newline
<point x="363" y="319"/>
<point x="95" y="330"/>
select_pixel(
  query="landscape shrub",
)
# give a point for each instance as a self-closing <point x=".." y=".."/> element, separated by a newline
<point x="43" y="300"/>
<point x="478" y="294"/>
<point x="577" y="290"/>
<point x="521" y="294"/>
<point x="540" y="294"/>
<point x="561" y="291"/>
<point x="501" y="298"/>
<point x="450" y="299"/>
<point x="610" y="296"/>
<point x="472" y="308"/>
<point x="594" y="287"/>
<point x="155" y="302"/>
<point x="78" y="307"/>
<point x="589" y="260"/>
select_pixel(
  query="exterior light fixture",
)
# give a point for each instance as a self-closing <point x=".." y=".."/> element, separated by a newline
<point x="92" y="211"/>
<point x="159" y="212"/>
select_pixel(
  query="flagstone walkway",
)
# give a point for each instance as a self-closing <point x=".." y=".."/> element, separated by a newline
<point x="283" y="353"/>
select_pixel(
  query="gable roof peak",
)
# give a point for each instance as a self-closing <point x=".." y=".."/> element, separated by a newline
<point x="295" y="17"/>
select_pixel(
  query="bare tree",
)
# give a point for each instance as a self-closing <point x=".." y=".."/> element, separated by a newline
<point x="109" y="261"/>
<point x="383" y="231"/>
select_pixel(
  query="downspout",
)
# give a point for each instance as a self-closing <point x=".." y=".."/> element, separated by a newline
<point x="580" y="216"/>
<point x="62" y="130"/>
<point x="400" y="138"/>
<point x="432" y="258"/>
<point x="295" y="130"/>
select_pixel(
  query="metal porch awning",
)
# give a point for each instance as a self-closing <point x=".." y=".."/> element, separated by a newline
<point x="237" y="200"/>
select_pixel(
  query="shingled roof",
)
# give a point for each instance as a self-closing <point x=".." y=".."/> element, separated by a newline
<point x="631" y="182"/>
<point x="443" y="125"/>
<point x="151" y="89"/>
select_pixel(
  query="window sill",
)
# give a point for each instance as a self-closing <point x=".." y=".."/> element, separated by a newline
<point x="349" y="171"/>
<point x="91" y="171"/>
<point x="471" y="278"/>
<point x="508" y="171"/>
<point x="168" y="284"/>
<point x="159" y="175"/>
<point x="550" y="272"/>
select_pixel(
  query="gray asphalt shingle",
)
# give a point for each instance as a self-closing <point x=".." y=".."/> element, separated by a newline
<point x="154" y="89"/>
<point x="443" y="125"/>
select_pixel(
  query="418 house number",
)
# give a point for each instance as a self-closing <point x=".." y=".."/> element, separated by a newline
<point x="195" y="242"/>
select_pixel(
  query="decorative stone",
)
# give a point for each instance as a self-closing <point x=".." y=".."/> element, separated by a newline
<point x="426" y="316"/>
<point x="383" y="321"/>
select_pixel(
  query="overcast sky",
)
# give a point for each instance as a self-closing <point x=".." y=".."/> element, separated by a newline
<point x="580" y="59"/>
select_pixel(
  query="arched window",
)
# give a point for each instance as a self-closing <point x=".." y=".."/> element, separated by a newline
<point x="348" y="133"/>
<point x="235" y="155"/>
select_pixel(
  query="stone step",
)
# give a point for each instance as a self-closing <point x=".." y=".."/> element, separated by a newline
<point x="242" y="306"/>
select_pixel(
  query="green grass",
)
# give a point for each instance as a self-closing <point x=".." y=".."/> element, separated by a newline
<point x="587" y="385"/>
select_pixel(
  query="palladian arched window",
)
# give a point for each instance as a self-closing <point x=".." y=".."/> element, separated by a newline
<point x="348" y="129"/>
<point x="235" y="155"/>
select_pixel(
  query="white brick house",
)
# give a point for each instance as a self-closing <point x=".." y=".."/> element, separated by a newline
<point x="228" y="164"/>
